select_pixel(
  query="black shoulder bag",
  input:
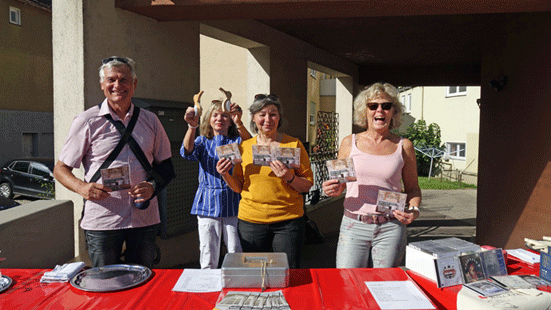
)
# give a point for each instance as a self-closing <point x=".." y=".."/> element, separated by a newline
<point x="160" y="174"/>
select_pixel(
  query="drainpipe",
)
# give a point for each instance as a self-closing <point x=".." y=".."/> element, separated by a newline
<point x="422" y="102"/>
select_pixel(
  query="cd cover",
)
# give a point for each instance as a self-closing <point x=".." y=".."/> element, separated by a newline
<point x="262" y="155"/>
<point x="342" y="170"/>
<point x="486" y="288"/>
<point x="388" y="201"/>
<point x="116" y="178"/>
<point x="229" y="151"/>
<point x="289" y="156"/>
<point x="472" y="267"/>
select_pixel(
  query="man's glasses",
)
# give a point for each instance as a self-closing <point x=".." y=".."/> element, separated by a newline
<point x="110" y="59"/>
<point x="374" y="105"/>
<point x="270" y="97"/>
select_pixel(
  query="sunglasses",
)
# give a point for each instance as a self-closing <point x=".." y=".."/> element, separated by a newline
<point x="270" y="97"/>
<point x="110" y="59"/>
<point x="374" y="105"/>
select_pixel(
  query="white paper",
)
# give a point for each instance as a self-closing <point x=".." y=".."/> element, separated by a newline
<point x="199" y="281"/>
<point x="525" y="255"/>
<point x="398" y="295"/>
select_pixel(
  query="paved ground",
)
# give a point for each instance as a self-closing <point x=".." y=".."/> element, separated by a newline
<point x="444" y="213"/>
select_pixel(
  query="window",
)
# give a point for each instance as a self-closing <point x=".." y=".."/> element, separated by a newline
<point x="408" y="103"/>
<point x="456" y="91"/>
<point x="312" y="117"/>
<point x="15" y="16"/>
<point x="21" y="166"/>
<point x="40" y="170"/>
<point x="456" y="150"/>
<point x="29" y="146"/>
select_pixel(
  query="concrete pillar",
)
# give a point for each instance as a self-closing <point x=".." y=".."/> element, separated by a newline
<point x="68" y="64"/>
<point x="514" y="185"/>
<point x="344" y="106"/>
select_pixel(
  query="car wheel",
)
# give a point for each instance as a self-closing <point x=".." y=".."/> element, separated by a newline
<point x="6" y="190"/>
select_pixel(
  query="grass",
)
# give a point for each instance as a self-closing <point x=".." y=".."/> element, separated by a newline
<point x="435" y="183"/>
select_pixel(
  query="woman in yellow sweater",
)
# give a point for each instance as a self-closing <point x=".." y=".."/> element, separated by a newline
<point x="271" y="207"/>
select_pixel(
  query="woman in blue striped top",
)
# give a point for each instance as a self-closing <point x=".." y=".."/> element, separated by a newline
<point x="215" y="204"/>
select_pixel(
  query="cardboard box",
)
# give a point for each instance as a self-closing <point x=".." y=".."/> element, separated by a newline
<point x="249" y="269"/>
<point x="444" y="271"/>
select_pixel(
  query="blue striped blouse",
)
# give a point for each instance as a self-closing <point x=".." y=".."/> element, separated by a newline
<point x="213" y="198"/>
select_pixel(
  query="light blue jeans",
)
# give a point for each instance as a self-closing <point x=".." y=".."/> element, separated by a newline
<point x="364" y="245"/>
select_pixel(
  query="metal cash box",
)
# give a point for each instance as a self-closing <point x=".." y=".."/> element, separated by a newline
<point x="249" y="269"/>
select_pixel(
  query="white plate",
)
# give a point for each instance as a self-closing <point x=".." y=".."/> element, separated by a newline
<point x="111" y="278"/>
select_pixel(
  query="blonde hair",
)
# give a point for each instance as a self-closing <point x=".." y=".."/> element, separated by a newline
<point x="206" y="128"/>
<point x="373" y="92"/>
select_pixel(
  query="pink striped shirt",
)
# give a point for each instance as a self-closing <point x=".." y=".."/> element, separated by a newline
<point x="90" y="141"/>
<point x="374" y="172"/>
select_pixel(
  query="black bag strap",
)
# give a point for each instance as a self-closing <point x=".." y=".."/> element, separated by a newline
<point x="137" y="150"/>
<point x="125" y="135"/>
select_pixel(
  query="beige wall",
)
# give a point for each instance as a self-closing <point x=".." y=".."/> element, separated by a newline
<point x="26" y="76"/>
<point x="224" y="65"/>
<point x="288" y="62"/>
<point x="37" y="234"/>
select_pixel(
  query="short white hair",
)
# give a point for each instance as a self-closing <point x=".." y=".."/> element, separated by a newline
<point x="115" y="61"/>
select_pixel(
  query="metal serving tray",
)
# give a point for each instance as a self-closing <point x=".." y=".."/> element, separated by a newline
<point x="5" y="282"/>
<point x="111" y="278"/>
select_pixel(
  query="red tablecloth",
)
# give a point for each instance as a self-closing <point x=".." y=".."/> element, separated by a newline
<point x="446" y="297"/>
<point x="309" y="289"/>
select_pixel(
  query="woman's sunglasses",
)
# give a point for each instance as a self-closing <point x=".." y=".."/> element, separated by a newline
<point x="374" y="105"/>
<point x="270" y="97"/>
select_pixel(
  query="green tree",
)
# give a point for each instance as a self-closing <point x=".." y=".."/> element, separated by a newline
<point x="423" y="136"/>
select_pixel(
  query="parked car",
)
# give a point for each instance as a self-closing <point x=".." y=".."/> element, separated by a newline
<point x="31" y="177"/>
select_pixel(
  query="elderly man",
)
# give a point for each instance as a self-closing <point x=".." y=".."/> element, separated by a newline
<point x="112" y="217"/>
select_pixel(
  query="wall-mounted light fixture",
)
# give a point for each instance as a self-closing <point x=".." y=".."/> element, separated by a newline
<point x="499" y="83"/>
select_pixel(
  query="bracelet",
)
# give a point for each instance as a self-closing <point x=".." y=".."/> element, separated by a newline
<point x="193" y="127"/>
<point x="414" y="208"/>
<point x="291" y="181"/>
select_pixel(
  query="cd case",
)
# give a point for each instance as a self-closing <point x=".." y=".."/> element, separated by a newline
<point x="472" y="268"/>
<point x="229" y="151"/>
<point x="263" y="155"/>
<point x="486" y="288"/>
<point x="116" y="178"/>
<point x="388" y="201"/>
<point x="289" y="156"/>
<point x="342" y="170"/>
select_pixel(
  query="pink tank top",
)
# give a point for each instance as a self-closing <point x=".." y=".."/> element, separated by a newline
<point x="374" y="172"/>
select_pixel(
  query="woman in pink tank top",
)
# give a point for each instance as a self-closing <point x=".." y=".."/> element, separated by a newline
<point x="382" y="161"/>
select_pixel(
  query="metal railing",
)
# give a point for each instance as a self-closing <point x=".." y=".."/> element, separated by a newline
<point x="325" y="148"/>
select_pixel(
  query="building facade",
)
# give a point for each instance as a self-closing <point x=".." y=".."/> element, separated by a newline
<point x="26" y="80"/>
<point x="455" y="110"/>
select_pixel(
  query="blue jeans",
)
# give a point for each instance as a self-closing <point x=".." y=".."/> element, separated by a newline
<point x="285" y="236"/>
<point x="105" y="246"/>
<point x="364" y="245"/>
